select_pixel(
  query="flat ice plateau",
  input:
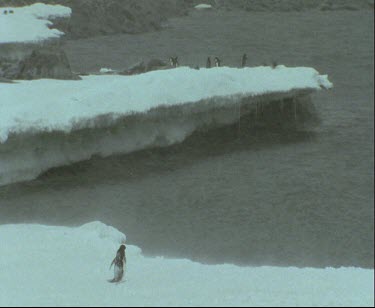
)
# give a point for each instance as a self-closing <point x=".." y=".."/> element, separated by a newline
<point x="60" y="266"/>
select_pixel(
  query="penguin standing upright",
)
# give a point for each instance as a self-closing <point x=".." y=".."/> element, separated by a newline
<point x="208" y="62"/>
<point x="173" y="61"/>
<point x="217" y="62"/>
<point x="119" y="263"/>
<point x="244" y="58"/>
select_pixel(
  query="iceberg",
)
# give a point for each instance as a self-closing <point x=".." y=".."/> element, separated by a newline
<point x="48" y="123"/>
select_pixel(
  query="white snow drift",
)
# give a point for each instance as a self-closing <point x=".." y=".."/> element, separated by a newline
<point x="30" y="23"/>
<point x="60" y="266"/>
<point x="203" y="6"/>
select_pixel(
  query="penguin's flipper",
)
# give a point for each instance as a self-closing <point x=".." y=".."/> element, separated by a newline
<point x="113" y="262"/>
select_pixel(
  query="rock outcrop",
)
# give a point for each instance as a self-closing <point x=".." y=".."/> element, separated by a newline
<point x="143" y="67"/>
<point x="40" y="62"/>
<point x="45" y="63"/>
<point x="5" y="80"/>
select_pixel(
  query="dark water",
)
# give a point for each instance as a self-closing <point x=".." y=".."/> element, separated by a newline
<point x="274" y="198"/>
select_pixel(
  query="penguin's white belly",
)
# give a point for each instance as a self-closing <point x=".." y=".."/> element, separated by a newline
<point x="119" y="272"/>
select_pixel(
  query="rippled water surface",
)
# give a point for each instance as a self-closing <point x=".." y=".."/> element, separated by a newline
<point x="300" y="199"/>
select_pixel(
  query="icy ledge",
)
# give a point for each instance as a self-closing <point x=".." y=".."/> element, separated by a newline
<point x="62" y="105"/>
<point x="50" y="123"/>
<point x="60" y="266"/>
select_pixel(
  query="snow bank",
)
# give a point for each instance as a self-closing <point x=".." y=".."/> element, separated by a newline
<point x="60" y="266"/>
<point x="49" y="123"/>
<point x="105" y="70"/>
<point x="48" y="105"/>
<point x="203" y="6"/>
<point x="30" y="23"/>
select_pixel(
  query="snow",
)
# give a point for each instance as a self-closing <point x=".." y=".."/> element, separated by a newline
<point x="203" y="6"/>
<point x="61" y="266"/>
<point x="48" y="105"/>
<point x="30" y="23"/>
<point x="105" y="70"/>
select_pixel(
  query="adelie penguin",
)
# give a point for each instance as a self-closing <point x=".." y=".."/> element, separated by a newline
<point x="217" y="62"/>
<point x="173" y="61"/>
<point x="119" y="263"/>
<point x="208" y="62"/>
<point x="244" y="58"/>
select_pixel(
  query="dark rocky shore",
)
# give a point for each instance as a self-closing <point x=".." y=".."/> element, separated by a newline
<point x="102" y="17"/>
<point x="92" y="18"/>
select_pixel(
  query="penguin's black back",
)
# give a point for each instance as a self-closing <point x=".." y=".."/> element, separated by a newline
<point x="208" y="62"/>
<point x="244" y="58"/>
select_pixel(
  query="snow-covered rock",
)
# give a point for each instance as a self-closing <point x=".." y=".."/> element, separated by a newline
<point x="29" y="46"/>
<point x="31" y="23"/>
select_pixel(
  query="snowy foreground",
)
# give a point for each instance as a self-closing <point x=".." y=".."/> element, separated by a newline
<point x="45" y="265"/>
<point x="48" y="105"/>
<point x="30" y="23"/>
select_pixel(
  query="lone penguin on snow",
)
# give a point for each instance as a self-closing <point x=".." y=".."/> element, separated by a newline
<point x="119" y="263"/>
<point x="217" y="62"/>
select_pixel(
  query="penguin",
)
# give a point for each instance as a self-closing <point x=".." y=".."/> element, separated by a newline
<point x="208" y="62"/>
<point x="119" y="263"/>
<point x="5" y="12"/>
<point x="274" y="64"/>
<point x="244" y="58"/>
<point x="173" y="61"/>
<point x="217" y="62"/>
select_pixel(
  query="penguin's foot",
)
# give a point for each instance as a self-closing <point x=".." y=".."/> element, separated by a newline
<point x="116" y="280"/>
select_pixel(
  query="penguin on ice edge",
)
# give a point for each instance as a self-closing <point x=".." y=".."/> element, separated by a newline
<point x="119" y="263"/>
<point x="208" y="62"/>
<point x="217" y="62"/>
<point x="244" y="58"/>
<point x="173" y="61"/>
